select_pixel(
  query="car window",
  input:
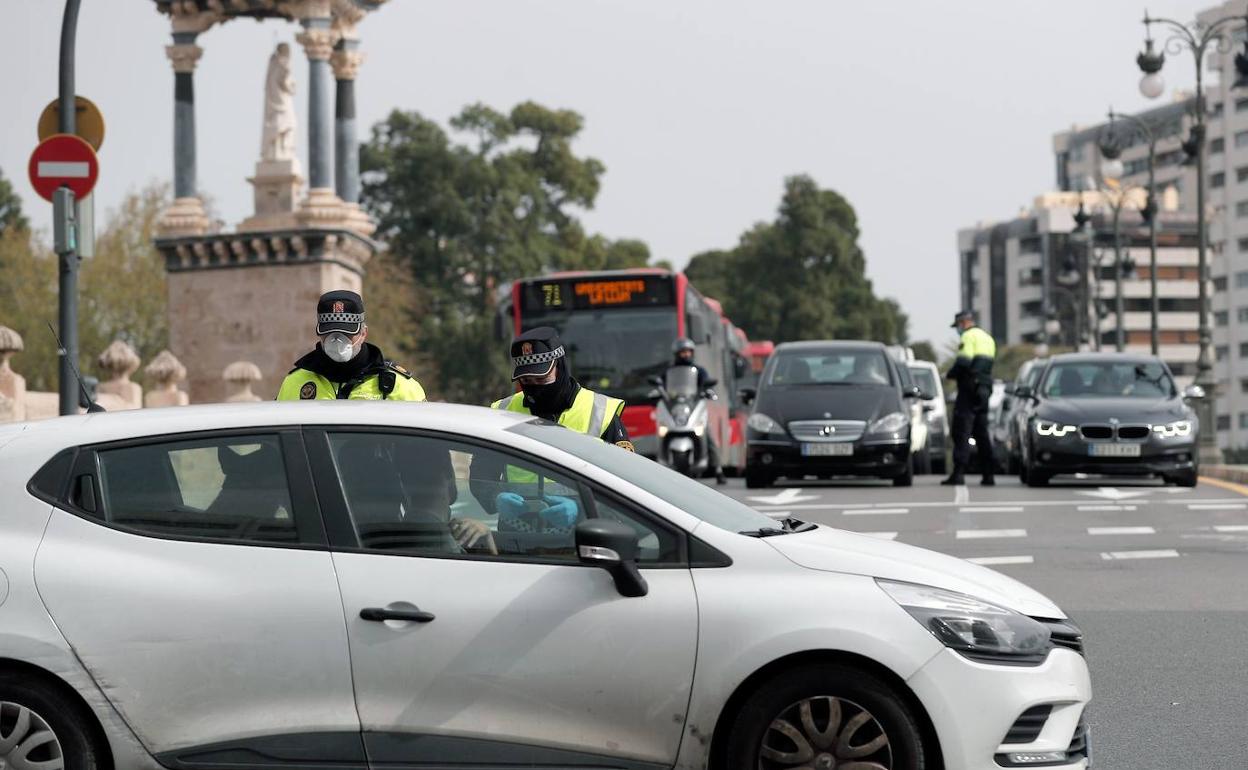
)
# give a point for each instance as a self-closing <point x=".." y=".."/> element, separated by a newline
<point x="924" y="378"/>
<point x="1108" y="379"/>
<point x="421" y="495"/>
<point x="848" y="367"/>
<point x="231" y="488"/>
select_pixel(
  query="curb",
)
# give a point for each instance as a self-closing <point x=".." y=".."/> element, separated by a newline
<point x="1237" y="474"/>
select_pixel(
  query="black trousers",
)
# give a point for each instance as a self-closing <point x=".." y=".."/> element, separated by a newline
<point x="971" y="420"/>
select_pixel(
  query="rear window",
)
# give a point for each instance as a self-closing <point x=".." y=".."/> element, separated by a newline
<point x="840" y="367"/>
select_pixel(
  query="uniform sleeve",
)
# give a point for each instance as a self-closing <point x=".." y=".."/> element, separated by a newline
<point x="616" y="434"/>
<point x="409" y="390"/>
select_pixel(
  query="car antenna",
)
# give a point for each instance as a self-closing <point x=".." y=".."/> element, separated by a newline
<point x="82" y="387"/>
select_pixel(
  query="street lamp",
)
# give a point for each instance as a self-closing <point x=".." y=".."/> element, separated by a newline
<point x="1146" y="132"/>
<point x="1196" y="39"/>
<point x="1111" y="171"/>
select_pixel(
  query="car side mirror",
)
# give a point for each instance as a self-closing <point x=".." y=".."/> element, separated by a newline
<point x="1024" y="391"/>
<point x="914" y="392"/>
<point x="1194" y="392"/>
<point x="747" y="395"/>
<point x="612" y="546"/>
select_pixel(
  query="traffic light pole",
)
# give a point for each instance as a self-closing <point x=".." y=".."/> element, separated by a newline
<point x="67" y="253"/>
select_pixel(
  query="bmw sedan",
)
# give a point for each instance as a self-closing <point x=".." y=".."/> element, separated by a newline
<point x="1109" y="413"/>
<point x="371" y="585"/>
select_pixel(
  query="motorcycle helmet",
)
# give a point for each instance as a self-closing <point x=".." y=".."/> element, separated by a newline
<point x="682" y="344"/>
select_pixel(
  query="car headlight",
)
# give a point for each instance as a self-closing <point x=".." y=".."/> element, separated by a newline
<point x="1177" y="429"/>
<point x="894" y="422"/>
<point x="974" y="627"/>
<point x="1049" y="428"/>
<point x="763" y="424"/>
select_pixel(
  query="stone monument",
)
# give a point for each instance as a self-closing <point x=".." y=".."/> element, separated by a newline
<point x="250" y="295"/>
<point x="166" y="371"/>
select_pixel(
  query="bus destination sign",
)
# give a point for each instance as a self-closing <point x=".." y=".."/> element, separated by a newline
<point x="572" y="294"/>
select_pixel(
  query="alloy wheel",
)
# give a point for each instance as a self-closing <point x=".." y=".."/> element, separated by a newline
<point x="825" y="733"/>
<point x="27" y="742"/>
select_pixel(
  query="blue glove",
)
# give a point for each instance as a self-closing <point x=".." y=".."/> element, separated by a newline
<point x="509" y="505"/>
<point x="561" y="513"/>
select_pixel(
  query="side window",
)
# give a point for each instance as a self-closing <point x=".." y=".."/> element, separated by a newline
<point x="231" y="488"/>
<point x="428" y="496"/>
<point x="657" y="545"/>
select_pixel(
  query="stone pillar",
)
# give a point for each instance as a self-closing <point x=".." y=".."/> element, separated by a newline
<point x="185" y="216"/>
<point x="323" y="207"/>
<point x="346" y="63"/>
<point x="12" y="384"/>
<point x="117" y="363"/>
<point x="166" y="371"/>
<point x="238" y="377"/>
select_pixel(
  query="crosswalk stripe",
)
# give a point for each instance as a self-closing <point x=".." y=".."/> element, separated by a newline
<point x="981" y="534"/>
<point x="991" y="509"/>
<point x="1230" y="527"/>
<point x="861" y="511"/>
<point x="1121" y="531"/>
<point x="988" y="561"/>
<point x="1091" y="508"/>
<point x="1165" y="553"/>
<point x="1216" y="506"/>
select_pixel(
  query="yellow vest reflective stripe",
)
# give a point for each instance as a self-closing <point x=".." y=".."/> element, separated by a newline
<point x="305" y="385"/>
<point x="590" y="414"/>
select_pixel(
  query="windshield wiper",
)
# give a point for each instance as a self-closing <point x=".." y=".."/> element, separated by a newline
<point x="788" y="526"/>
<point x="763" y="532"/>
<point x="797" y="525"/>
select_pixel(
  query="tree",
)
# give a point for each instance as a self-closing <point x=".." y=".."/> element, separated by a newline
<point x="11" y="217"/>
<point x="466" y="219"/>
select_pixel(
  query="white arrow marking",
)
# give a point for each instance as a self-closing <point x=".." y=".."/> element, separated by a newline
<point x="790" y="495"/>
<point x="1112" y="493"/>
<point x="63" y="169"/>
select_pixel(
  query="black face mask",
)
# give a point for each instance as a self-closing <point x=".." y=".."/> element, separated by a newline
<point x="553" y="398"/>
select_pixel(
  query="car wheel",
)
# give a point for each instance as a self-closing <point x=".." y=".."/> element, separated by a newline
<point x="1036" y="478"/>
<point x="1023" y="472"/>
<point x="923" y="461"/>
<point x="939" y="465"/>
<point x="906" y="479"/>
<point x="826" y="716"/>
<point x="756" y="480"/>
<point x="40" y="727"/>
<point x="1185" y="479"/>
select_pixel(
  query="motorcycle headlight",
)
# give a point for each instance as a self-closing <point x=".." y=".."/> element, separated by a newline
<point x="1177" y="429"/>
<point x="1056" y="429"/>
<point x="890" y="423"/>
<point x="974" y="627"/>
<point x="662" y="430"/>
<point x="763" y="424"/>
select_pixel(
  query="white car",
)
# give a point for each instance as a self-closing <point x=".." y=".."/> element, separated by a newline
<point x="376" y="585"/>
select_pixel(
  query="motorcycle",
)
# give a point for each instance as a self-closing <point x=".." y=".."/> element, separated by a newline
<point x="682" y="419"/>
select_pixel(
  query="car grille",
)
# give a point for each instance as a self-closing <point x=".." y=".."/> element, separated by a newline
<point x="1110" y="432"/>
<point x="1097" y="432"/>
<point x="827" y="430"/>
<point x="1063" y="633"/>
<point x="1133" y="432"/>
<point x="1028" y="725"/>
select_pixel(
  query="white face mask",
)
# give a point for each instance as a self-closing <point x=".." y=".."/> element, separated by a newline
<point x="338" y="347"/>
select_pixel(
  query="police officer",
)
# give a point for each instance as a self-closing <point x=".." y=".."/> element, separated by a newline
<point x="343" y="365"/>
<point x="548" y="390"/>
<point x="682" y="350"/>
<point x="973" y="372"/>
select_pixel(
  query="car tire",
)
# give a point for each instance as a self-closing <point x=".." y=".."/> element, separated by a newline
<point x="922" y="461"/>
<point x="906" y="479"/>
<point x="1023" y="473"/>
<point x="889" y="733"/>
<point x="1184" y="479"/>
<point x="756" y="480"/>
<point x="46" y="708"/>
<point x="940" y="466"/>
<point x="1036" y="478"/>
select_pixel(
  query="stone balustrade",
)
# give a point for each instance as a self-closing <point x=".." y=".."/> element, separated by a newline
<point x="116" y="391"/>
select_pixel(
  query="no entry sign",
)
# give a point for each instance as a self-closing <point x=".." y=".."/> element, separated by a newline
<point x="63" y="160"/>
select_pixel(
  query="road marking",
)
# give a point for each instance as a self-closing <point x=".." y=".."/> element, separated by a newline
<point x="981" y="534"/>
<point x="783" y="497"/>
<point x="1224" y="484"/>
<point x="778" y="514"/>
<point x="1121" y="531"/>
<point x="961" y="495"/>
<point x="860" y="511"/>
<point x="1217" y="506"/>
<point x="1090" y="508"/>
<point x="1166" y="553"/>
<point x="992" y="509"/>
<point x="1230" y="527"/>
<point x="1113" y="493"/>
<point x="989" y="561"/>
<point x="881" y="535"/>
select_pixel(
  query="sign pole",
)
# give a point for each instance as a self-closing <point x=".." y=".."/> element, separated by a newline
<point x="64" y="214"/>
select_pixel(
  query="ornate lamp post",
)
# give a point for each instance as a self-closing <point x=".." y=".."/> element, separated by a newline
<point x="1196" y="39"/>
<point x="1145" y="132"/>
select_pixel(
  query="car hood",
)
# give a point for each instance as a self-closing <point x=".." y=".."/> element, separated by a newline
<point x="835" y="550"/>
<point x="1150" y="410"/>
<point x="833" y="402"/>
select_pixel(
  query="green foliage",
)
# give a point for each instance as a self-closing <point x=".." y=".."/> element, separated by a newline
<point x="11" y="217"/>
<point x="816" y="286"/>
<point x="466" y="219"/>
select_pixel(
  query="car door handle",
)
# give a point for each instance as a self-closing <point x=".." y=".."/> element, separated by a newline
<point x="380" y="614"/>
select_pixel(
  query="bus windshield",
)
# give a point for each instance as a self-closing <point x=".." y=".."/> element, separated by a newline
<point x="615" y="351"/>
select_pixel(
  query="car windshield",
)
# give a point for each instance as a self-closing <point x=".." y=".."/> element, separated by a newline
<point x="842" y="367"/>
<point x="615" y="351"/>
<point x="925" y="378"/>
<point x="686" y="494"/>
<point x="1108" y="379"/>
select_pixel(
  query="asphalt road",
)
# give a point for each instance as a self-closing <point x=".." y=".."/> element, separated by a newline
<point x="1157" y="578"/>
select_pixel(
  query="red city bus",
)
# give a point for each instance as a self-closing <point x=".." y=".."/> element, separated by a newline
<point x="757" y="354"/>
<point x="618" y="327"/>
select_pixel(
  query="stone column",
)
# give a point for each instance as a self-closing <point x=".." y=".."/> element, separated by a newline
<point x="185" y="216"/>
<point x="323" y="207"/>
<point x="346" y="63"/>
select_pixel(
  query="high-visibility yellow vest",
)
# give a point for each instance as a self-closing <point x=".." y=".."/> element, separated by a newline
<point x="305" y="385"/>
<point x="591" y="413"/>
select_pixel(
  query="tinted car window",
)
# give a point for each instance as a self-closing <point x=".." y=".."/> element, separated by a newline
<point x="1105" y="379"/>
<point x="231" y="488"/>
<point x="848" y="367"/>
<point x="924" y="379"/>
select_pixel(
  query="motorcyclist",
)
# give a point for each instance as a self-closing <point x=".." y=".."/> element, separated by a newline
<point x="683" y="350"/>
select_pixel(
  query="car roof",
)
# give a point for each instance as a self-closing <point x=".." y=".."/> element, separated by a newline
<point x="77" y="430"/>
<point x="922" y="364"/>
<point x="1105" y="356"/>
<point x="817" y="345"/>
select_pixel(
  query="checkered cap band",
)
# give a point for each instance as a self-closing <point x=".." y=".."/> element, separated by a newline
<point x="340" y="318"/>
<point x="538" y="358"/>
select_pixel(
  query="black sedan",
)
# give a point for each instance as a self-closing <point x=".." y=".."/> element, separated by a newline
<point x="831" y="409"/>
<point x="1109" y="413"/>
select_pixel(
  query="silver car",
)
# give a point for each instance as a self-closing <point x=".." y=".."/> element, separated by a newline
<point x="379" y="585"/>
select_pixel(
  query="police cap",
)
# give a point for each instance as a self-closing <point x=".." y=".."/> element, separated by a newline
<point x="535" y="353"/>
<point x="339" y="311"/>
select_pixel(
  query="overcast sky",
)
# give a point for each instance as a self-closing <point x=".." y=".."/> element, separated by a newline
<point x="927" y="116"/>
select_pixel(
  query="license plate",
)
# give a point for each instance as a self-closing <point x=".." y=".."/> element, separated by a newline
<point x="827" y="450"/>
<point x="1114" y="450"/>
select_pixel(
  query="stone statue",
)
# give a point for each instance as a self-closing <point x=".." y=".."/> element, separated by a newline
<point x="278" y="140"/>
